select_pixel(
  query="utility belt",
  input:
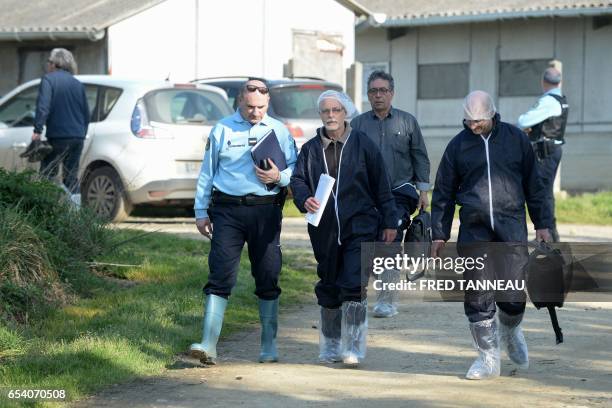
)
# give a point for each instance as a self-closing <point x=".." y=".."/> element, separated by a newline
<point x="544" y="147"/>
<point x="221" y="199"/>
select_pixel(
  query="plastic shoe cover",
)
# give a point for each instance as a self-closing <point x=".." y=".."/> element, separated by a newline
<point x="354" y="332"/>
<point x="268" y="316"/>
<point x="484" y="336"/>
<point x="512" y="338"/>
<point x="330" y="332"/>
<point x="214" y="310"/>
<point x="75" y="199"/>
<point x="386" y="300"/>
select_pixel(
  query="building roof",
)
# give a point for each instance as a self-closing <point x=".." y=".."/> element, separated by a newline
<point x="419" y="12"/>
<point x="28" y="20"/>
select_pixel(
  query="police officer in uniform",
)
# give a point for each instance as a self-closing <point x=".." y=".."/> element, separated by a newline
<point x="232" y="196"/>
<point x="398" y="136"/>
<point x="545" y="124"/>
<point x="489" y="170"/>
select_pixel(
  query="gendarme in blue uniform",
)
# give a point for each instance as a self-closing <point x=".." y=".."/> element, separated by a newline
<point x="228" y="166"/>
<point x="240" y="207"/>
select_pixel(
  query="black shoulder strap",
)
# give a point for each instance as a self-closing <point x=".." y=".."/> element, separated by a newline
<point x="555" y="323"/>
<point x="561" y="99"/>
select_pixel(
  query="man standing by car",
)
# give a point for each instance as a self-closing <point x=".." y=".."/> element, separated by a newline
<point x="545" y="124"/>
<point x="398" y="136"/>
<point x="232" y="195"/>
<point x="62" y="107"/>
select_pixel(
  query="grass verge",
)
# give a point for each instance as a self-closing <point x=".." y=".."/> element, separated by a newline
<point x="588" y="208"/>
<point x="135" y="324"/>
<point x="592" y="208"/>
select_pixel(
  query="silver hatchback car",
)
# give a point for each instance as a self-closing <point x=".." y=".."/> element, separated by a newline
<point x="144" y="145"/>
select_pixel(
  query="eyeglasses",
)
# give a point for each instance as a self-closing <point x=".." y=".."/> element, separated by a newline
<point x="332" y="110"/>
<point x="469" y="122"/>
<point x="375" y="91"/>
<point x="261" y="89"/>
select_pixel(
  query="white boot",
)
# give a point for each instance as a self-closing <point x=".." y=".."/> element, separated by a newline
<point x="354" y="332"/>
<point x="484" y="336"/>
<point x="330" y="332"/>
<point x="386" y="300"/>
<point x="512" y="338"/>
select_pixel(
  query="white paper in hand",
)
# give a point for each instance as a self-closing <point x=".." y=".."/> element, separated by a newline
<point x="324" y="190"/>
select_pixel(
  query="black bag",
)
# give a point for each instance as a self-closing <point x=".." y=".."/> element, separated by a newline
<point x="418" y="237"/>
<point x="549" y="279"/>
<point x="420" y="229"/>
<point x="36" y="151"/>
<point x="406" y="201"/>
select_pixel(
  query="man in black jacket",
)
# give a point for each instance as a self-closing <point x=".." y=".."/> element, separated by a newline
<point x="489" y="169"/>
<point x="62" y="107"/>
<point x="398" y="136"/>
<point x="361" y="202"/>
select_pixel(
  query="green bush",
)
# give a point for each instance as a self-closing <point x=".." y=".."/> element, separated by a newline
<point x="44" y="244"/>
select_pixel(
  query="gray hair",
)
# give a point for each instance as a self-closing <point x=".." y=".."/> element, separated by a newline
<point x="381" y="75"/>
<point x="61" y="58"/>
<point x="552" y="76"/>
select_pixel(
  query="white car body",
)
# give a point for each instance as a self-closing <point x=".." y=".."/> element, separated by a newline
<point x="160" y="167"/>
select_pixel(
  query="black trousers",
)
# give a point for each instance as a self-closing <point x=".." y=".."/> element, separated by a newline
<point x="233" y="225"/>
<point x="340" y="275"/>
<point x="547" y="169"/>
<point x="506" y="259"/>
<point x="66" y="152"/>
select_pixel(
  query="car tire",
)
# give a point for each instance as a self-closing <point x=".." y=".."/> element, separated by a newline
<point x="103" y="192"/>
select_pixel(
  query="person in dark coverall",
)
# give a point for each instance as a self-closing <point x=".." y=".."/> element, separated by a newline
<point x="545" y="125"/>
<point x="231" y="195"/>
<point x="361" y="202"/>
<point x="489" y="170"/>
<point x="62" y="107"/>
<point x="398" y="136"/>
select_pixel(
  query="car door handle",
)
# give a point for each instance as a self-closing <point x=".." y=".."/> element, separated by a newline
<point x="22" y="144"/>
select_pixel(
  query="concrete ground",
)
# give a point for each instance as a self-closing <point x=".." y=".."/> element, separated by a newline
<point x="417" y="358"/>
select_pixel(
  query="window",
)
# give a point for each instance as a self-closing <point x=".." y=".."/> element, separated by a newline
<point x="108" y="99"/>
<point x="297" y="102"/>
<point x="101" y="100"/>
<point x="521" y="77"/>
<point x="443" y="81"/>
<point x="91" y="94"/>
<point x="20" y="110"/>
<point x="193" y="107"/>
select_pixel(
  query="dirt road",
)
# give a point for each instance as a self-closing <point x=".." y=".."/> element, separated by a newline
<point x="417" y="358"/>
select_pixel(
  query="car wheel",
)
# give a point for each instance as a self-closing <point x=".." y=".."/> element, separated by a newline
<point x="103" y="192"/>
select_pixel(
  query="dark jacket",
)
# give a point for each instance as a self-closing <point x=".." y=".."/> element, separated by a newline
<point x="364" y="194"/>
<point x="61" y="106"/>
<point x="463" y="179"/>
<point x="401" y="144"/>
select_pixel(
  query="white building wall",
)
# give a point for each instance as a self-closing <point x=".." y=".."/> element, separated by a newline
<point x="235" y="37"/>
<point x="255" y="37"/>
<point x="155" y="44"/>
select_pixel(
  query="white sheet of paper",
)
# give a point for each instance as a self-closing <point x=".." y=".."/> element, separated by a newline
<point x="324" y="190"/>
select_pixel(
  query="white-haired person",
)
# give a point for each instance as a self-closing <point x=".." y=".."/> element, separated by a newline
<point x="360" y="210"/>
<point x="61" y="108"/>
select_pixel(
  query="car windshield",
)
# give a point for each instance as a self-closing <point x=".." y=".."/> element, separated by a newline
<point x="297" y="102"/>
<point x="186" y="106"/>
